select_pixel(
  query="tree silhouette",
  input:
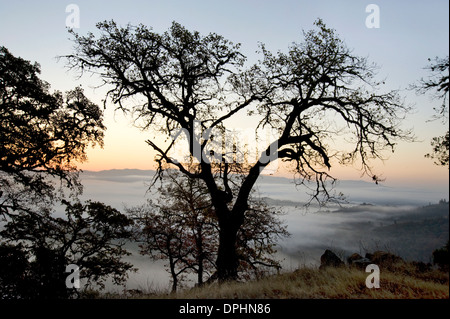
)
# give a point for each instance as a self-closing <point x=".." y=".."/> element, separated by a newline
<point x="441" y="257"/>
<point x="41" y="135"/>
<point x="438" y="84"/>
<point x="311" y="96"/>
<point x="91" y="235"/>
<point x="181" y="227"/>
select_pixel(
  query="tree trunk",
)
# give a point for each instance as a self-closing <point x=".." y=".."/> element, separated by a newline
<point x="200" y="275"/>
<point x="229" y="224"/>
<point x="227" y="259"/>
<point x="174" y="284"/>
<point x="200" y="263"/>
<point x="173" y="273"/>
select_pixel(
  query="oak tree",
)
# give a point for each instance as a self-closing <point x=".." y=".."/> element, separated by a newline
<point x="316" y="92"/>
<point x="180" y="226"/>
<point x="42" y="136"/>
<point x="37" y="249"/>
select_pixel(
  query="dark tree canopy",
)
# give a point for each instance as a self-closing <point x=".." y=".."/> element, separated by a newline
<point x="90" y="235"/>
<point x="315" y="92"/>
<point x="440" y="151"/>
<point x="42" y="134"/>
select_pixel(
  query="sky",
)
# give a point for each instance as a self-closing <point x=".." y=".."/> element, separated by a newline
<point x="409" y="33"/>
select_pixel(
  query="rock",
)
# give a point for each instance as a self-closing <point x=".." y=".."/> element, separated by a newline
<point x="362" y="263"/>
<point x="353" y="257"/>
<point x="385" y="260"/>
<point x="382" y="258"/>
<point x="369" y="256"/>
<point x="330" y="259"/>
<point x="356" y="260"/>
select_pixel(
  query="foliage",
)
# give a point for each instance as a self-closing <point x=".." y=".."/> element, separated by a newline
<point x="440" y="152"/>
<point x="441" y="257"/>
<point x="42" y="135"/>
<point x="181" y="227"/>
<point x="438" y="84"/>
<point x="37" y="248"/>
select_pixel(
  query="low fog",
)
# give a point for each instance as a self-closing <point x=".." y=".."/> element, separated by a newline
<point x="407" y="221"/>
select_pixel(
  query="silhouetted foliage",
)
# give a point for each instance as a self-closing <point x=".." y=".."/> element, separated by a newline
<point x="42" y="135"/>
<point x="14" y="269"/>
<point x="441" y="257"/>
<point x="438" y="85"/>
<point x="36" y="250"/>
<point x="182" y="228"/>
<point x="311" y="96"/>
<point x="440" y="153"/>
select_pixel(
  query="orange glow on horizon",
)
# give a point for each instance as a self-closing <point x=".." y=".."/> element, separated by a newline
<point x="125" y="148"/>
<point x="395" y="171"/>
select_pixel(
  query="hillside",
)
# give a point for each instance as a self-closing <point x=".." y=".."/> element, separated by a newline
<point x="332" y="283"/>
<point x="405" y="281"/>
<point x="413" y="235"/>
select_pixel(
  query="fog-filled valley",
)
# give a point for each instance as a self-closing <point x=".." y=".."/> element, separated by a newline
<point x="410" y="222"/>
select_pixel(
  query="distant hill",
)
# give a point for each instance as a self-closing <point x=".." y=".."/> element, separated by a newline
<point x="282" y="188"/>
<point x="119" y="175"/>
<point x="413" y="234"/>
<point x="418" y="233"/>
<point x="119" y="172"/>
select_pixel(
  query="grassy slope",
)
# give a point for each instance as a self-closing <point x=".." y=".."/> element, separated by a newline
<point x="341" y="283"/>
<point x="330" y="283"/>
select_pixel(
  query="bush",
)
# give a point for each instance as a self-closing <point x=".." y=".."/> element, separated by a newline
<point x="441" y="257"/>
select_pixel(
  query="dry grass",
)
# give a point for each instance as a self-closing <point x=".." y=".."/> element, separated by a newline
<point x="398" y="281"/>
<point x="331" y="283"/>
